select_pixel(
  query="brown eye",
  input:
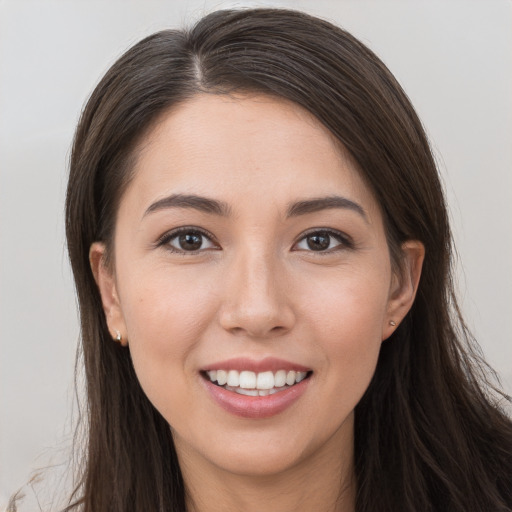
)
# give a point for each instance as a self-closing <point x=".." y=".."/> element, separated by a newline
<point x="318" y="241"/>
<point x="324" y="241"/>
<point x="188" y="240"/>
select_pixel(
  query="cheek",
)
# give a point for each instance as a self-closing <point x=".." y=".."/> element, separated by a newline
<point x="347" y="315"/>
<point x="165" y="315"/>
<point x="165" y="308"/>
<point x="351" y="305"/>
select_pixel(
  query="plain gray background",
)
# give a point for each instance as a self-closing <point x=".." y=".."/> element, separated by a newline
<point x="454" y="59"/>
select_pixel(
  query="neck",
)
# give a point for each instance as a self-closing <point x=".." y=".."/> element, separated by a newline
<point x="323" y="482"/>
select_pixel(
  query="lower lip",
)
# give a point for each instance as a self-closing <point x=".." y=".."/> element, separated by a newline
<point x="256" y="407"/>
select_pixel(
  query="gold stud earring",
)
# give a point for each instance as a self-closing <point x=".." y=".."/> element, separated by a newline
<point x="392" y="323"/>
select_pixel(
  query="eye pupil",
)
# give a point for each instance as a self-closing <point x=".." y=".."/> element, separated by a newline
<point x="190" y="241"/>
<point x="318" y="241"/>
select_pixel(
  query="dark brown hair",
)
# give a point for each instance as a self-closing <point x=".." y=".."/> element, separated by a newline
<point x="429" y="433"/>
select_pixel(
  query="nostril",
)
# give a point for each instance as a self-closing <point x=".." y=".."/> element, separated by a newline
<point x="256" y="307"/>
<point x="259" y="331"/>
<point x="257" y="320"/>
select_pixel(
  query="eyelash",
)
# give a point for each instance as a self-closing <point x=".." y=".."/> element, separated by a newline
<point x="167" y="237"/>
<point x="345" y="242"/>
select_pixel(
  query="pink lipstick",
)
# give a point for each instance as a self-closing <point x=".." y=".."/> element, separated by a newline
<point x="256" y="389"/>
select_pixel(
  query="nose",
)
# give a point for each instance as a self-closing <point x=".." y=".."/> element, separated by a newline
<point x="256" y="301"/>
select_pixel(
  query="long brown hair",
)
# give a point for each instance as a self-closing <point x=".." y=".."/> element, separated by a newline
<point x="429" y="433"/>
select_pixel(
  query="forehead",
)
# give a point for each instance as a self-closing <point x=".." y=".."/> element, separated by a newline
<point x="248" y="147"/>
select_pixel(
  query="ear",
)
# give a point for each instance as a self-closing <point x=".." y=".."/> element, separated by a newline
<point x="404" y="286"/>
<point x="105" y="279"/>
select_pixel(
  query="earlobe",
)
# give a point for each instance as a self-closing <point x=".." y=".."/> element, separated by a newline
<point x="404" y="286"/>
<point x="105" y="280"/>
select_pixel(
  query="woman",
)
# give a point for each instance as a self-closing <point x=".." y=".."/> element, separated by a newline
<point x="262" y="258"/>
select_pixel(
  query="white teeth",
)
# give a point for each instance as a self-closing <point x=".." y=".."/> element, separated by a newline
<point x="254" y="392"/>
<point x="256" y="384"/>
<point x="247" y="380"/>
<point x="280" y="379"/>
<point x="300" y="376"/>
<point x="242" y="391"/>
<point x="290" y="378"/>
<point x="233" y="378"/>
<point x="265" y="380"/>
<point x="222" y="377"/>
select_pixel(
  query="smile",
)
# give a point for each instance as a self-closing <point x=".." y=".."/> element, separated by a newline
<point x="250" y="383"/>
<point x="256" y="389"/>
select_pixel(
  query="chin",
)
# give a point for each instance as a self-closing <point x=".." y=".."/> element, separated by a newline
<point x="260" y="463"/>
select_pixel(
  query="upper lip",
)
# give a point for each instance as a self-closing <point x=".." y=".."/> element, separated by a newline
<point x="263" y="365"/>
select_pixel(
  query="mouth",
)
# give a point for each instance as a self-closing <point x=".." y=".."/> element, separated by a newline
<point x="256" y="389"/>
<point x="256" y="384"/>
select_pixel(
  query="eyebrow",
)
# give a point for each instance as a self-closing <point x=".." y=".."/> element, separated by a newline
<point x="216" y="207"/>
<point x="203" y="204"/>
<point x="325" y="203"/>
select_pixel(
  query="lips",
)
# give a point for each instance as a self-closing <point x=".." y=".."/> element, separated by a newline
<point x="271" y="364"/>
<point x="256" y="389"/>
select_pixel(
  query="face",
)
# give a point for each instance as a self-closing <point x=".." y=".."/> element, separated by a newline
<point x="248" y="249"/>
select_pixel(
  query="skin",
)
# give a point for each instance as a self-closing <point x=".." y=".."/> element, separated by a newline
<point x="255" y="289"/>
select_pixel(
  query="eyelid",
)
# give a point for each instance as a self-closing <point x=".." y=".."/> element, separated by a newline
<point x="346" y="242"/>
<point x="344" y="239"/>
<point x="173" y="233"/>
